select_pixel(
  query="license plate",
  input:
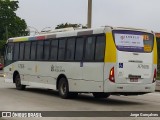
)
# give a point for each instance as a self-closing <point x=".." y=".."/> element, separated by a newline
<point x="133" y="79"/>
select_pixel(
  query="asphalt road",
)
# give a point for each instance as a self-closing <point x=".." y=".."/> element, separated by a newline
<point x="39" y="99"/>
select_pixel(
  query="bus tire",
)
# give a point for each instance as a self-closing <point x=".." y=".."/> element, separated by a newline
<point x="63" y="88"/>
<point x="18" y="84"/>
<point x="101" y="95"/>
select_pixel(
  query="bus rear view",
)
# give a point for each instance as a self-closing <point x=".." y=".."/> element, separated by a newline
<point x="133" y="66"/>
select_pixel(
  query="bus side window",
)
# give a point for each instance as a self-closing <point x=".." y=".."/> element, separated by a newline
<point x="89" y="49"/>
<point x="100" y="48"/>
<point x="54" y="50"/>
<point x="27" y="51"/>
<point x="61" y="49"/>
<point x="33" y="50"/>
<point x="16" y="51"/>
<point x="79" y="49"/>
<point x="70" y="49"/>
<point x="21" y="51"/>
<point x="46" y="49"/>
<point x="9" y="51"/>
<point x="39" y="50"/>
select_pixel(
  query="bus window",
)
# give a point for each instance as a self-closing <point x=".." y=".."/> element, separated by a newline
<point x="100" y="48"/>
<point x="54" y="50"/>
<point x="89" y="49"/>
<point x="39" y="50"/>
<point x="33" y="51"/>
<point x="46" y="49"/>
<point x="21" y="51"/>
<point x="61" y="49"/>
<point x="16" y="51"/>
<point x="9" y="51"/>
<point x="70" y="49"/>
<point x="79" y="49"/>
<point x="133" y="41"/>
<point x="27" y="51"/>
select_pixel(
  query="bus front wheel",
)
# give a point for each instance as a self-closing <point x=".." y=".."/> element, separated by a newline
<point x="101" y="95"/>
<point x="18" y="84"/>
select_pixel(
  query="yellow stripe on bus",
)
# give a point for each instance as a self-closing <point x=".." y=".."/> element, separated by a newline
<point x="110" y="52"/>
<point x="155" y="52"/>
<point x="20" y="39"/>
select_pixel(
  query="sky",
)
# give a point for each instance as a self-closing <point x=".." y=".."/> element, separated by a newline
<point x="40" y="14"/>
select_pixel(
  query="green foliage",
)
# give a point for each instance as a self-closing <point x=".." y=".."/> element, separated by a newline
<point x="10" y="24"/>
<point x="2" y="46"/>
<point x="66" y="25"/>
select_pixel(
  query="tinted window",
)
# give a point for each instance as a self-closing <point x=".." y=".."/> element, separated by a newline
<point x="79" y="49"/>
<point x="89" y="48"/>
<point x="39" y="50"/>
<point x="27" y="51"/>
<point x="33" y="51"/>
<point x="70" y="49"/>
<point x="61" y="49"/>
<point x="21" y="52"/>
<point x="100" y="48"/>
<point x="54" y="49"/>
<point x="46" y="49"/>
<point x="16" y="51"/>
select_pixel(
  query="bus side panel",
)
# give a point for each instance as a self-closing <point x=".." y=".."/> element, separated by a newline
<point x="110" y="60"/>
<point x="92" y="78"/>
<point x="155" y="55"/>
<point x="110" y="52"/>
<point x="8" y="73"/>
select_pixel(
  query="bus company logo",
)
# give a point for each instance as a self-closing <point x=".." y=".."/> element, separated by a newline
<point x="122" y="37"/>
<point x="129" y="37"/>
<point x="52" y="68"/>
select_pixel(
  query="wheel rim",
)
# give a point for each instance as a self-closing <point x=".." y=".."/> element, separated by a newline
<point x="63" y="88"/>
<point x="18" y="83"/>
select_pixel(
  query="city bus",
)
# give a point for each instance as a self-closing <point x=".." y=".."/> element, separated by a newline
<point x="103" y="61"/>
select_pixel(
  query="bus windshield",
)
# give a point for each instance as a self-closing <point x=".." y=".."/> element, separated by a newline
<point x="133" y="41"/>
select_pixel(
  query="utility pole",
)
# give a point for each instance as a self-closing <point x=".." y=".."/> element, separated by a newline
<point x="89" y="24"/>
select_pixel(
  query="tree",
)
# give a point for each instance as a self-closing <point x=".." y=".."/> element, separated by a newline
<point x="10" y="24"/>
<point x="66" y="25"/>
<point x="2" y="47"/>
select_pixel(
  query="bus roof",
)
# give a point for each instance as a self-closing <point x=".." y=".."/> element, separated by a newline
<point x="65" y="33"/>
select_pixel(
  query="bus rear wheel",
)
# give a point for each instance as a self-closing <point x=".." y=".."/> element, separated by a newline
<point x="63" y="89"/>
<point x="18" y="84"/>
<point x="101" y="95"/>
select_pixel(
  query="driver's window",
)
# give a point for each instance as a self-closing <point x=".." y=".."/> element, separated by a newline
<point x="9" y="51"/>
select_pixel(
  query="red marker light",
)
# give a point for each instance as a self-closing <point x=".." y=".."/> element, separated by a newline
<point x="155" y="75"/>
<point x="111" y="75"/>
